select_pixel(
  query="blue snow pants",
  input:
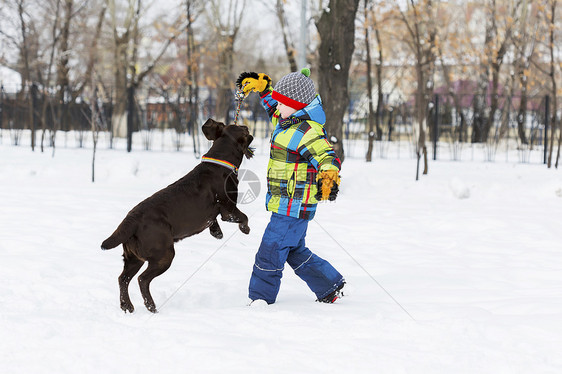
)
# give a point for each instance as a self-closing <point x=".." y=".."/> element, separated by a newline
<point x="283" y="241"/>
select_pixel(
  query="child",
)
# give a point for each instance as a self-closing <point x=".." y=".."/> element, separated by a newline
<point x="300" y="154"/>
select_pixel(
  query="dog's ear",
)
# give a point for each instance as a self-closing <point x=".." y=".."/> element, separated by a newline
<point x="212" y="129"/>
<point x="249" y="151"/>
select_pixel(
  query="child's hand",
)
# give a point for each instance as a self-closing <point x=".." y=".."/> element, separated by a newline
<point x="250" y="81"/>
<point x="328" y="182"/>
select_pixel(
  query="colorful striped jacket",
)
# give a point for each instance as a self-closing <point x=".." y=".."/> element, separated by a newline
<point x="299" y="149"/>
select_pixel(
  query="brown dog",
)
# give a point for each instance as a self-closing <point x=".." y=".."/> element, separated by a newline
<point x="182" y="209"/>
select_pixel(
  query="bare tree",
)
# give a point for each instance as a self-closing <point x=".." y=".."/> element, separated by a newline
<point x="94" y="124"/>
<point x="378" y="70"/>
<point x="336" y="28"/>
<point x="371" y="114"/>
<point x="93" y="53"/>
<point x="25" y="54"/>
<point x="225" y="21"/>
<point x="554" y="90"/>
<point x="122" y="35"/>
<point x="548" y="14"/>
<point x="22" y="15"/>
<point x="420" y="22"/>
<point x="126" y="36"/>
<point x="46" y="83"/>
<point x="552" y="74"/>
<point x="192" y="62"/>
<point x="451" y="53"/>
<point x="524" y="41"/>
<point x="287" y="42"/>
<point x="373" y="118"/>
<point x="454" y="95"/>
<point x="63" y="80"/>
<point x="496" y="45"/>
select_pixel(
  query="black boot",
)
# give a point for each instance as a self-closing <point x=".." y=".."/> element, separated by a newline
<point x="333" y="296"/>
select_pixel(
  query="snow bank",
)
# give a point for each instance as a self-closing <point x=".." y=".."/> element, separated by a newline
<point x="481" y="276"/>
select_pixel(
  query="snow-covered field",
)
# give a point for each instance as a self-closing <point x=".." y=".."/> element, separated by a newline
<point x="460" y="272"/>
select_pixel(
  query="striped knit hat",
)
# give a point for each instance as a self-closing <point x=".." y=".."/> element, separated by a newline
<point x="295" y="90"/>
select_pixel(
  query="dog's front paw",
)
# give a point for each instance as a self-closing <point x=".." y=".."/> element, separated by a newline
<point x="215" y="230"/>
<point x="127" y="307"/>
<point x="217" y="233"/>
<point x="244" y="228"/>
<point x="151" y="307"/>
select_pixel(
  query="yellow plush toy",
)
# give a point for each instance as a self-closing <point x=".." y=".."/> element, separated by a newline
<point x="250" y="81"/>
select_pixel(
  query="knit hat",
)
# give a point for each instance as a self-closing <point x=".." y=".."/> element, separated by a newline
<point x="295" y="89"/>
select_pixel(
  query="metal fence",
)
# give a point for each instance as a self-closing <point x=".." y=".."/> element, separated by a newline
<point x="454" y="129"/>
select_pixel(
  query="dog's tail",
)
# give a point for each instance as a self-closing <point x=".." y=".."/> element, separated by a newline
<point x="125" y="230"/>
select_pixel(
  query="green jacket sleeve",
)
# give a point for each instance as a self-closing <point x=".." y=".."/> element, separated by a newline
<point x="316" y="149"/>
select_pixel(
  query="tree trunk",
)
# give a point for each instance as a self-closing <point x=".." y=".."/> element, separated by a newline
<point x="371" y="128"/>
<point x="552" y="74"/>
<point x="119" y="117"/>
<point x="226" y="33"/>
<point x="47" y="83"/>
<point x="480" y="104"/>
<point x="494" y="59"/>
<point x="380" y="94"/>
<point x="289" y="47"/>
<point x="522" y="114"/>
<point x="522" y="64"/>
<point x="92" y="54"/>
<point x="421" y="105"/>
<point x="496" y="67"/>
<point x="494" y="103"/>
<point x="121" y="39"/>
<point x="224" y="89"/>
<point x="337" y="35"/>
<point x="60" y="120"/>
<point x="94" y="127"/>
<point x="193" y="87"/>
<point x="451" y="93"/>
<point x="554" y="87"/>
<point x="27" y="68"/>
<point x="62" y="68"/>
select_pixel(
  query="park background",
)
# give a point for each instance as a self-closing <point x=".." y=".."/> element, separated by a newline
<point x="446" y="227"/>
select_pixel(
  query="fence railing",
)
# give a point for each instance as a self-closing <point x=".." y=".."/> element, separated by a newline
<point x="455" y="126"/>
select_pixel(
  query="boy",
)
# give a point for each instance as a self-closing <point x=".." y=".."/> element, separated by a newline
<point x="300" y="154"/>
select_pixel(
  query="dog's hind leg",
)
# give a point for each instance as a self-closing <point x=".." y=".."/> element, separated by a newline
<point x="155" y="268"/>
<point x="131" y="266"/>
<point x="215" y="230"/>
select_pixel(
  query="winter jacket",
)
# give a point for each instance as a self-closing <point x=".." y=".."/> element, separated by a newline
<point x="299" y="149"/>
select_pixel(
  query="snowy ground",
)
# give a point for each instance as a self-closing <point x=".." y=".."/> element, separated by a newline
<point x="460" y="272"/>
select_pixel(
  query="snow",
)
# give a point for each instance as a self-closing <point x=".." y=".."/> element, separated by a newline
<point x="459" y="189"/>
<point x="471" y="252"/>
<point x="10" y="80"/>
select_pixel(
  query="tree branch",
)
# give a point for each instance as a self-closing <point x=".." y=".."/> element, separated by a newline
<point x="152" y="65"/>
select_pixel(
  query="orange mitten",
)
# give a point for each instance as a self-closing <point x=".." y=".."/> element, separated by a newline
<point x="328" y="182"/>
